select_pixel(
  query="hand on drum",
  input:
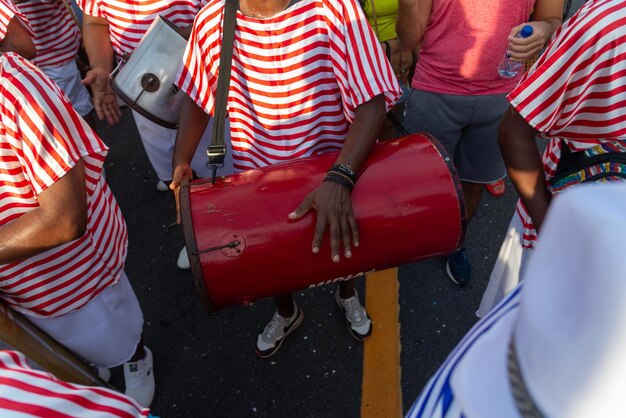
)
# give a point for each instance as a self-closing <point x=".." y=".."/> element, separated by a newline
<point x="334" y="208"/>
<point x="182" y="173"/>
<point x="104" y="99"/>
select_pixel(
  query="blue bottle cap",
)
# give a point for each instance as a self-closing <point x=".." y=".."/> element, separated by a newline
<point x="526" y="31"/>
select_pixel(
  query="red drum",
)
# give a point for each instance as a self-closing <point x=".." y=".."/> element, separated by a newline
<point x="408" y="204"/>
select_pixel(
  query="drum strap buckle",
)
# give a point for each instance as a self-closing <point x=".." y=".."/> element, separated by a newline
<point x="216" y="154"/>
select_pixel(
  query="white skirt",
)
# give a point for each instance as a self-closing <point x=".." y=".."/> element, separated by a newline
<point x="509" y="268"/>
<point x="67" y="77"/>
<point x="106" y="331"/>
<point x="159" y="145"/>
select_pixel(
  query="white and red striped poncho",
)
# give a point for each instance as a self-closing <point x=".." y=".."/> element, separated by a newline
<point x="296" y="78"/>
<point x="41" y="139"/>
<point x="130" y="19"/>
<point x="34" y="393"/>
<point x="57" y="37"/>
<point x="576" y="92"/>
<point x="8" y="10"/>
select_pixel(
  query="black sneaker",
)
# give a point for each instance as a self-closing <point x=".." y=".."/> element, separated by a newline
<point x="458" y="268"/>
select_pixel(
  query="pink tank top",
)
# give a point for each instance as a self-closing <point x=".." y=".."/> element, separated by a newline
<point x="464" y="43"/>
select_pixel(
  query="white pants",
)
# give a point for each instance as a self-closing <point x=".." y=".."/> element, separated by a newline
<point x="159" y="145"/>
<point x="67" y="77"/>
<point x="106" y="331"/>
<point x="508" y="269"/>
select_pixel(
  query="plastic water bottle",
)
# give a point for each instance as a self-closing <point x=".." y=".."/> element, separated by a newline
<point x="509" y="68"/>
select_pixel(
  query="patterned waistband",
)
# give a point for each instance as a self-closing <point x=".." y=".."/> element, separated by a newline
<point x="602" y="170"/>
<point x="597" y="173"/>
<point x="605" y="148"/>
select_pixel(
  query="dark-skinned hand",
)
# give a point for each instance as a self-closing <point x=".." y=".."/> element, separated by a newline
<point x="333" y="206"/>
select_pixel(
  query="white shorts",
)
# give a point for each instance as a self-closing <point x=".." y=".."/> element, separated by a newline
<point x="106" y="331"/>
<point x="68" y="78"/>
<point x="159" y="145"/>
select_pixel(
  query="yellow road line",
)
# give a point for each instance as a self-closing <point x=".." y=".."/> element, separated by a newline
<point x="381" y="396"/>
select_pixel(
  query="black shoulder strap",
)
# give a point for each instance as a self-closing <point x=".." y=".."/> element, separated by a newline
<point x="217" y="149"/>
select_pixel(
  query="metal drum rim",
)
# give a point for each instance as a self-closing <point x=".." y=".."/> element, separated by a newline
<point x="192" y="246"/>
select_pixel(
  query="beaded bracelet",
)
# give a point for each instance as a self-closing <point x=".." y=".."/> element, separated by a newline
<point x="341" y="174"/>
<point x="346" y="170"/>
<point x="339" y="179"/>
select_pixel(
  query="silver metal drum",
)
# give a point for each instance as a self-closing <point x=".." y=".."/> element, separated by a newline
<point x="145" y="81"/>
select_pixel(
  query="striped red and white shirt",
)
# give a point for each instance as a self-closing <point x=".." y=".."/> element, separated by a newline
<point x="35" y="393"/>
<point x="130" y="19"/>
<point x="41" y="139"/>
<point x="8" y="10"/>
<point x="296" y="78"/>
<point x="576" y="92"/>
<point x="57" y="37"/>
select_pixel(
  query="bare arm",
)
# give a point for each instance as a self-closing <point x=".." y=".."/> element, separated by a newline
<point x="412" y="21"/>
<point x="523" y="162"/>
<point x="332" y="201"/>
<point x="60" y="218"/>
<point x="185" y="31"/>
<point x="17" y="39"/>
<point x="100" y="52"/>
<point x="547" y="17"/>
<point x="192" y="123"/>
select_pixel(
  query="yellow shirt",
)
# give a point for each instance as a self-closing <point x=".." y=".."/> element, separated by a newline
<point x="385" y="24"/>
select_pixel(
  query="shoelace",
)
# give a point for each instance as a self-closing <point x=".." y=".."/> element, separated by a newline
<point x="353" y="309"/>
<point x="276" y="324"/>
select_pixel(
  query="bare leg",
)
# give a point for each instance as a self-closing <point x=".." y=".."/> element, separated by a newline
<point x="473" y="193"/>
<point x="346" y="289"/>
<point x="140" y="352"/>
<point x="284" y="305"/>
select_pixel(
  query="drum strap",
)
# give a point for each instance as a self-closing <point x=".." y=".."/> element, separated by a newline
<point x="217" y="149"/>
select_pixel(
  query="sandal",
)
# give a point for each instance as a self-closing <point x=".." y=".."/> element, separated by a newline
<point x="497" y="188"/>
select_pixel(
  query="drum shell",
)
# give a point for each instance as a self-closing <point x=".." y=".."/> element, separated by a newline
<point x="159" y="53"/>
<point x="408" y="204"/>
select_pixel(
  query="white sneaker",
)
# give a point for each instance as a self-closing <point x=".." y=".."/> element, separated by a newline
<point x="183" y="260"/>
<point x="161" y="186"/>
<point x="139" y="379"/>
<point x="359" y="323"/>
<point x="104" y="373"/>
<point x="275" y="332"/>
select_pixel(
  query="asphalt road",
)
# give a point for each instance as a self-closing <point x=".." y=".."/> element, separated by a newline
<point x="205" y="365"/>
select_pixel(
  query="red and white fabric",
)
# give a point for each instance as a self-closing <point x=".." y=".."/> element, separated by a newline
<point x="8" y="10"/>
<point x="575" y="93"/>
<point x="296" y="78"/>
<point x="41" y="139"/>
<point x="57" y="36"/>
<point x="35" y="393"/>
<point x="129" y="20"/>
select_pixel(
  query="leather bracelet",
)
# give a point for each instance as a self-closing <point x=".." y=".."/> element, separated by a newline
<point x="346" y="170"/>
<point x="338" y="180"/>
<point x="342" y="175"/>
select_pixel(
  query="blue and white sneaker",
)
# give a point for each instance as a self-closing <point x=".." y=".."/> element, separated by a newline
<point x="458" y="268"/>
